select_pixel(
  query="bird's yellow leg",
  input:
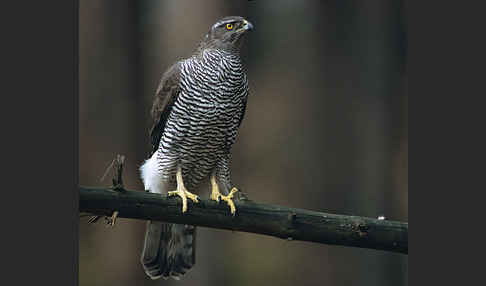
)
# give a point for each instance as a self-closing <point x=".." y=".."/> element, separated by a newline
<point x="182" y="191"/>
<point x="216" y="195"/>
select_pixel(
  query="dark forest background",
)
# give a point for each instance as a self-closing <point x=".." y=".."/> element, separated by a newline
<point x="326" y="129"/>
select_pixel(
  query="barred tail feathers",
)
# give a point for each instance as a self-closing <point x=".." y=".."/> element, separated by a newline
<point x="169" y="250"/>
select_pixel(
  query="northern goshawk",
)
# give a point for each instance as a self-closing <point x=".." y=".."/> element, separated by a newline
<point x="198" y="108"/>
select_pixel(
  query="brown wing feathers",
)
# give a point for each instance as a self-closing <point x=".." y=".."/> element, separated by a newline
<point x="165" y="97"/>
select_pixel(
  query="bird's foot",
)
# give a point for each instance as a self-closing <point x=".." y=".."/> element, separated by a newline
<point x="184" y="194"/>
<point x="217" y="196"/>
<point x="229" y="201"/>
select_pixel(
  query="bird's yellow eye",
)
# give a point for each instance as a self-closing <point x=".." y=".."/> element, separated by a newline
<point x="229" y="26"/>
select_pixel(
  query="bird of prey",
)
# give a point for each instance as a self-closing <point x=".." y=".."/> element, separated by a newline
<point x="198" y="108"/>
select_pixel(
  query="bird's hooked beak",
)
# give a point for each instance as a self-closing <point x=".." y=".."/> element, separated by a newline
<point x="247" y="25"/>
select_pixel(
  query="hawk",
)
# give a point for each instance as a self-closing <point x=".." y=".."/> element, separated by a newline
<point x="198" y="108"/>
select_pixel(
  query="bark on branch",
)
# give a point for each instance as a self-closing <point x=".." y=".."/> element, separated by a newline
<point x="278" y="221"/>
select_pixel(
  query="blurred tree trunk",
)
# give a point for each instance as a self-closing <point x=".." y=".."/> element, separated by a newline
<point x="110" y="114"/>
<point x="363" y="71"/>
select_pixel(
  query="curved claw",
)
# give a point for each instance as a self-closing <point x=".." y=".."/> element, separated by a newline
<point x="215" y="197"/>
<point x="192" y="197"/>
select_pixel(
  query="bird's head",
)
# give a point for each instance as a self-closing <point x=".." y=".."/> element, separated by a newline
<point x="227" y="33"/>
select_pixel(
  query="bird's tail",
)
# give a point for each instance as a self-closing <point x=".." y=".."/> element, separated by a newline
<point x="169" y="249"/>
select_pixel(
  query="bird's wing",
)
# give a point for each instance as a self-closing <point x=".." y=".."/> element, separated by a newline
<point x="243" y="112"/>
<point x="165" y="97"/>
<point x="245" y="99"/>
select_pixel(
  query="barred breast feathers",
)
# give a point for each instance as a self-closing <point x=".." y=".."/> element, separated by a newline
<point x="205" y="117"/>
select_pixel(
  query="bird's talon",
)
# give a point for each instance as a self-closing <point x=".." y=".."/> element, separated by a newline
<point x="232" y="192"/>
<point x="182" y="192"/>
<point x="183" y="195"/>
<point x="215" y="197"/>
<point x="192" y="196"/>
<point x="229" y="201"/>
<point x="172" y="193"/>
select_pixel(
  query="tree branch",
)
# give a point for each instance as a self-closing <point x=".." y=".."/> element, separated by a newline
<point x="279" y="221"/>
